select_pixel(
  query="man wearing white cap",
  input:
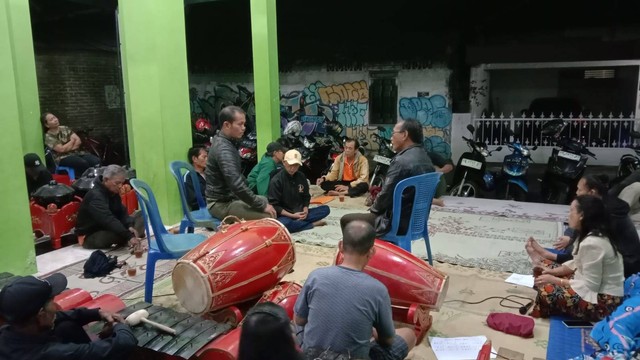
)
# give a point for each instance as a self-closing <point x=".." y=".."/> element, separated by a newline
<point x="289" y="195"/>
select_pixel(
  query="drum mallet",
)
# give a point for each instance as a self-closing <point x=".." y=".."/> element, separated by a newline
<point x="141" y="316"/>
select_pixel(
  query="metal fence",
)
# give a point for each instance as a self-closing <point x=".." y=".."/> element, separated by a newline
<point x="594" y="131"/>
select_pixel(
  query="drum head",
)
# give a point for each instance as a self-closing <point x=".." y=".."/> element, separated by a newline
<point x="191" y="287"/>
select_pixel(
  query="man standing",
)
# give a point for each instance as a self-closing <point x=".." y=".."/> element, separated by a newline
<point x="102" y="217"/>
<point x="227" y="190"/>
<point x="37" y="331"/>
<point x="411" y="159"/>
<point x="340" y="307"/>
<point x="198" y="159"/>
<point x="289" y="195"/>
<point x="260" y="175"/>
<point x="349" y="174"/>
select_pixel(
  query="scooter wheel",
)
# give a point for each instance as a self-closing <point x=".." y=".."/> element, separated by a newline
<point x="469" y="189"/>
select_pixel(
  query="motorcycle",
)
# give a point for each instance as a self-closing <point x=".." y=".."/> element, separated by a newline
<point x="514" y="170"/>
<point x="382" y="158"/>
<point x="471" y="179"/>
<point x="565" y="166"/>
<point x="628" y="162"/>
<point x="248" y="152"/>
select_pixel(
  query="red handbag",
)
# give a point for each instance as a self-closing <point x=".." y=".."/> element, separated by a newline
<point x="511" y="324"/>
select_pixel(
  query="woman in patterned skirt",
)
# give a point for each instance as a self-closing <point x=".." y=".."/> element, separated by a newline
<point x="590" y="286"/>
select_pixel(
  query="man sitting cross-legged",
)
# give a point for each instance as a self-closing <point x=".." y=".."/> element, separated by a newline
<point x="349" y="174"/>
<point x="345" y="312"/>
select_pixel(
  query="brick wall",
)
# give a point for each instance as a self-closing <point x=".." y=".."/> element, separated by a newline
<point x="71" y="84"/>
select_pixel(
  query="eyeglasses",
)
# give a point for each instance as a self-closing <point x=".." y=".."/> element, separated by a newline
<point x="396" y="132"/>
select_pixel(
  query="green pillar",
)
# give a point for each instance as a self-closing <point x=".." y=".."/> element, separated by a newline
<point x="265" y="71"/>
<point x="26" y="80"/>
<point x="17" y="253"/>
<point x="154" y="66"/>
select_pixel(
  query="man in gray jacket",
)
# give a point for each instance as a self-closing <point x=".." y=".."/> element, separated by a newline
<point x="411" y="159"/>
<point x="227" y="190"/>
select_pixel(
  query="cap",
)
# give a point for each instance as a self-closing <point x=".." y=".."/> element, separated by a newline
<point x="293" y="157"/>
<point x="32" y="160"/>
<point x="26" y="295"/>
<point x="275" y="146"/>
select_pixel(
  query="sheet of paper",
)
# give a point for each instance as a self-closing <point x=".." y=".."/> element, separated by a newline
<point x="519" y="279"/>
<point x="458" y="348"/>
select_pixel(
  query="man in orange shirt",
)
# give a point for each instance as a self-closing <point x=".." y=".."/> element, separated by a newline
<point x="349" y="174"/>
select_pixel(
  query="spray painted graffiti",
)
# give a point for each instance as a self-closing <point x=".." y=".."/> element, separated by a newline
<point x="347" y="103"/>
<point x="434" y="114"/>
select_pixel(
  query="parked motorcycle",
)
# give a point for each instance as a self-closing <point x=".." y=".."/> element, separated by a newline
<point x="514" y="170"/>
<point x="471" y="179"/>
<point x="565" y="166"/>
<point x="629" y="162"/>
<point x="382" y="158"/>
<point x="248" y="152"/>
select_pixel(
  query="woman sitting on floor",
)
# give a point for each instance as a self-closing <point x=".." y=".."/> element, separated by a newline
<point x="623" y="232"/>
<point x="590" y="286"/>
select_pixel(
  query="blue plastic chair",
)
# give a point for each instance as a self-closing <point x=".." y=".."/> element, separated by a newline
<point x="200" y="217"/>
<point x="70" y="172"/>
<point x="163" y="245"/>
<point x="425" y="188"/>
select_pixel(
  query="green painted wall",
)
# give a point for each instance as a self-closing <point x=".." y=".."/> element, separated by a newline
<point x="154" y="63"/>
<point x="16" y="246"/>
<point x="264" y="34"/>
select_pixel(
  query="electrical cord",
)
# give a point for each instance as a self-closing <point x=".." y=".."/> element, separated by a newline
<point x="503" y="299"/>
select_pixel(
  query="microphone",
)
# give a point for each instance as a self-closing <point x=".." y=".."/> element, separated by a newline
<point x="525" y="308"/>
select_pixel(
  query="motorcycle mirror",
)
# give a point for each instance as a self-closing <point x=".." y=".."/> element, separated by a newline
<point x="471" y="128"/>
<point x="534" y="147"/>
<point x="499" y="148"/>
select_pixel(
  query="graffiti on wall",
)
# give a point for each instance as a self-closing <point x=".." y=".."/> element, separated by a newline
<point x="347" y="103"/>
<point x="434" y="114"/>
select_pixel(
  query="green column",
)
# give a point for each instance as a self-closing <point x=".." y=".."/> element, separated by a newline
<point x="26" y="81"/>
<point x="16" y="247"/>
<point x="154" y="65"/>
<point x="265" y="71"/>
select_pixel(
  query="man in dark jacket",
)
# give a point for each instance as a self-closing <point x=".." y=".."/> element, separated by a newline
<point x="36" y="331"/>
<point x="227" y="190"/>
<point x="289" y="195"/>
<point x="102" y="217"/>
<point x="411" y="160"/>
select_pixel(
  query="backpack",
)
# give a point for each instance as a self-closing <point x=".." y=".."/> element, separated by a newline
<point x="99" y="264"/>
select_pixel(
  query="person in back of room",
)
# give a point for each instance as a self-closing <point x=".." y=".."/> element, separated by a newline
<point x="349" y="174"/>
<point x="445" y="166"/>
<point x="411" y="159"/>
<point x="260" y="175"/>
<point x="623" y="231"/>
<point x="37" y="331"/>
<point x="197" y="156"/>
<point x="66" y="145"/>
<point x="37" y="175"/>
<point x="267" y="335"/>
<point x="102" y="217"/>
<point x="590" y="286"/>
<point x="289" y="195"/>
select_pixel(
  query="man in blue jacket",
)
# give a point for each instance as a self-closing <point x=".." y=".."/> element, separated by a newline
<point x="35" y="330"/>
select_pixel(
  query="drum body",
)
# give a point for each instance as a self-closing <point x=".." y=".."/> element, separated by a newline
<point x="409" y="279"/>
<point x="238" y="263"/>
<point x="284" y="294"/>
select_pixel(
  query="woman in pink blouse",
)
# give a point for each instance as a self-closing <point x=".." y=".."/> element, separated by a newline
<point x="590" y="286"/>
<point x="66" y="145"/>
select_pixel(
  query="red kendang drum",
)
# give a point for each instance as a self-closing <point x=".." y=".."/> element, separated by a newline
<point x="414" y="286"/>
<point x="238" y="263"/>
<point x="284" y="294"/>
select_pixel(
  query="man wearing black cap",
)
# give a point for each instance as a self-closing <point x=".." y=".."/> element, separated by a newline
<point x="35" y="330"/>
<point x="37" y="174"/>
<point x="260" y="175"/>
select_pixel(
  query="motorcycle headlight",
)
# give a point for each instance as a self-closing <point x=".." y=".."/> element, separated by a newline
<point x="484" y="152"/>
<point x="525" y="152"/>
